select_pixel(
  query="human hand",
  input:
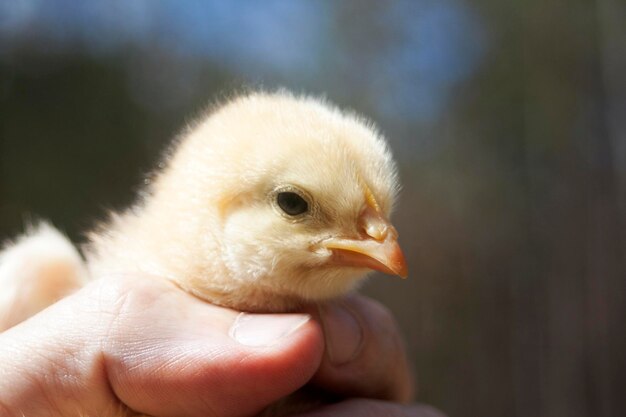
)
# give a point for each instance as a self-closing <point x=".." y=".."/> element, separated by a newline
<point x="365" y="357"/>
<point x="144" y="344"/>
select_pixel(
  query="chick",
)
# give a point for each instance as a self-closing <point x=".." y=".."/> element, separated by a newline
<point x="268" y="201"/>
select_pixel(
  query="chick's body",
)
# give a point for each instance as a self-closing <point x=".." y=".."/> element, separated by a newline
<point x="212" y="219"/>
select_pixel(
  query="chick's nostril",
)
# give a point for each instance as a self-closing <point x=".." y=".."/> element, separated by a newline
<point x="373" y="224"/>
<point x="376" y="230"/>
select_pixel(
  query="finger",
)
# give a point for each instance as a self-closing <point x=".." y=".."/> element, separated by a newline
<point x="171" y="354"/>
<point x="373" y="408"/>
<point x="365" y="355"/>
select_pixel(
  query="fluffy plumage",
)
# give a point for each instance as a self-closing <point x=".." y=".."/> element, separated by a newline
<point x="37" y="269"/>
<point x="210" y="220"/>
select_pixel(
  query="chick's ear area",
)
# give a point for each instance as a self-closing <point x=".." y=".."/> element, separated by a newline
<point x="233" y="201"/>
<point x="253" y="236"/>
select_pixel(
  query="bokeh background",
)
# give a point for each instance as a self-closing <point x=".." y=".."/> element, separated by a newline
<point x="507" y="117"/>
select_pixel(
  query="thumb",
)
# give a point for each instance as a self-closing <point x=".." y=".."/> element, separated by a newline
<point x="170" y="354"/>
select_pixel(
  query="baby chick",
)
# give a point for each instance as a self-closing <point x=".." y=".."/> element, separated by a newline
<point x="268" y="201"/>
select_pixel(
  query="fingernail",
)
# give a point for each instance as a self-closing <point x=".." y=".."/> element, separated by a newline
<point x="265" y="329"/>
<point x="343" y="331"/>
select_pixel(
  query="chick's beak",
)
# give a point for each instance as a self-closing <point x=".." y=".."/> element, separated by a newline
<point x="377" y="248"/>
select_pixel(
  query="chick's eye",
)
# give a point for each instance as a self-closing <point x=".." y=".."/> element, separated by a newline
<point x="292" y="203"/>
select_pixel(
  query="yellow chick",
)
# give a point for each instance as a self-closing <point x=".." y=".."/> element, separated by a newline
<point x="268" y="201"/>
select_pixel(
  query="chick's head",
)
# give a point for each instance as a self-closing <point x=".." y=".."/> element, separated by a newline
<point x="292" y="195"/>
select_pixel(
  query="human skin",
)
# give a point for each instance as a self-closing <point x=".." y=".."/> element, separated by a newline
<point x="142" y="343"/>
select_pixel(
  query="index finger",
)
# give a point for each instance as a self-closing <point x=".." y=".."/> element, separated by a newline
<point x="365" y="354"/>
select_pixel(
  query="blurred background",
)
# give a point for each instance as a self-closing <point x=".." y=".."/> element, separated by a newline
<point x="508" y="119"/>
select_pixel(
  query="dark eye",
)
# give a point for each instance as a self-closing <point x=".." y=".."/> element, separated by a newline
<point x="291" y="203"/>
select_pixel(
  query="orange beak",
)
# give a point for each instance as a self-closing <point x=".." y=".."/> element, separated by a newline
<point x="376" y="249"/>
